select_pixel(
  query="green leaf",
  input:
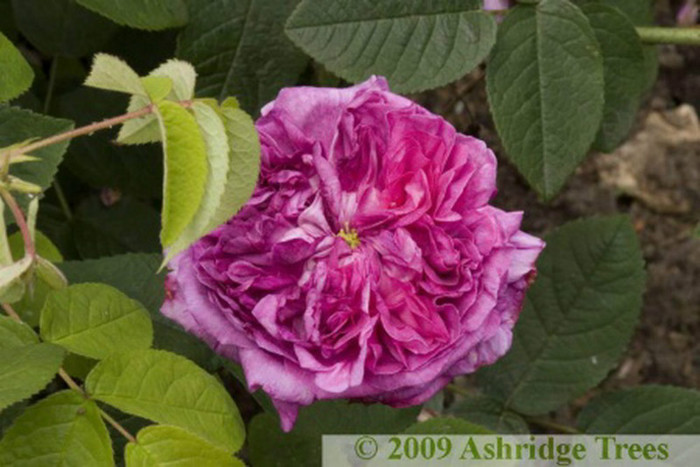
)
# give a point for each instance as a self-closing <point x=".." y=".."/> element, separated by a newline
<point x="545" y="88"/>
<point x="186" y="169"/>
<point x="137" y="276"/>
<point x="577" y="318"/>
<point x="42" y="244"/>
<point x="29" y="370"/>
<point x="61" y="27"/>
<point x="170" y="389"/>
<point x="239" y="49"/>
<point x="416" y="44"/>
<point x="63" y="429"/>
<point x="7" y="20"/>
<point x="17" y="74"/>
<point x="217" y="147"/>
<point x="15" y="334"/>
<point x="141" y="14"/>
<point x="30" y="305"/>
<point x="244" y="166"/>
<point x="126" y="226"/>
<point x="164" y="445"/>
<point x="643" y="410"/>
<point x="47" y="272"/>
<point x="446" y="426"/>
<point x="12" y="280"/>
<point x="95" y="320"/>
<point x="269" y="445"/>
<point x="623" y="68"/>
<point x="183" y="76"/>
<point x="489" y="413"/>
<point x="113" y="74"/>
<point x="641" y="13"/>
<point x="157" y="87"/>
<point x="18" y="125"/>
<point x="145" y="129"/>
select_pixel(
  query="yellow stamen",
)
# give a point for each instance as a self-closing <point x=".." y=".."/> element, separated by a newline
<point x="350" y="236"/>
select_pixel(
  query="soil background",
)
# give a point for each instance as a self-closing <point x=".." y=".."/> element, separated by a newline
<point x="655" y="179"/>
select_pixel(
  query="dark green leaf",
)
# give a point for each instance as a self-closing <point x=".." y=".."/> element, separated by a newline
<point x="239" y="49"/>
<point x="7" y="20"/>
<point x="545" y="87"/>
<point x="64" y="429"/>
<point x="641" y="13"/>
<point x="643" y="410"/>
<point x="18" y="125"/>
<point x="415" y="44"/>
<point x="577" y="319"/>
<point x="61" y="27"/>
<point x="78" y="366"/>
<point x="489" y="413"/>
<point x="623" y="67"/>
<point x="446" y="426"/>
<point x="141" y="14"/>
<point x="270" y="446"/>
<point x="126" y="226"/>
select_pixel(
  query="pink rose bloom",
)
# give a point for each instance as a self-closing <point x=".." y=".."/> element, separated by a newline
<point x="368" y="263"/>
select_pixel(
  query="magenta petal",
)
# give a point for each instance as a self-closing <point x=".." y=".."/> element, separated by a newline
<point x="368" y="263"/>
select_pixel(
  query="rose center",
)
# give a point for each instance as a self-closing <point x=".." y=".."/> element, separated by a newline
<point x="350" y="236"/>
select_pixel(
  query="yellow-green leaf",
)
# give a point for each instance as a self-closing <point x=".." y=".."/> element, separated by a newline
<point x="185" y="169"/>
<point x="95" y="320"/>
<point x="157" y="87"/>
<point x="65" y="429"/>
<point x="17" y="75"/>
<point x="170" y="389"/>
<point x="160" y="445"/>
<point x="217" y="145"/>
<point x="113" y="74"/>
<point x="244" y="166"/>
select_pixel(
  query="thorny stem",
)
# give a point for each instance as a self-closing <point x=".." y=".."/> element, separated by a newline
<point x="548" y="424"/>
<point x="85" y="130"/>
<point x="21" y="221"/>
<point x="82" y="131"/>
